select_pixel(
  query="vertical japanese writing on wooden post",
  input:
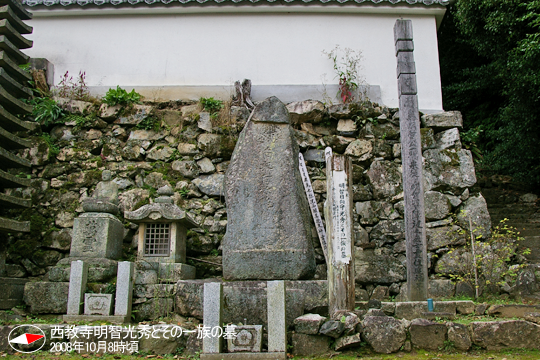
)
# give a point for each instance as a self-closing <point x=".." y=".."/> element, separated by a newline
<point x="338" y="212"/>
<point x="413" y="192"/>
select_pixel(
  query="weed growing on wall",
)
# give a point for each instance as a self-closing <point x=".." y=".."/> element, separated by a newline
<point x="211" y="105"/>
<point x="46" y="111"/>
<point x="120" y="96"/>
<point x="73" y="89"/>
<point x="346" y="66"/>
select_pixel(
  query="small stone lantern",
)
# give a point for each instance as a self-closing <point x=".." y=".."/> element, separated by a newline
<point x="162" y="235"/>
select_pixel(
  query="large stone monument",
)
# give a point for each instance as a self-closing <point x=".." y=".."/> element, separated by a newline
<point x="269" y="228"/>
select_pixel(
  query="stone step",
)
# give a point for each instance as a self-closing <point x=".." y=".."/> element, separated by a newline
<point x="8" y="225"/>
<point x="7" y="13"/>
<point x="9" y="160"/>
<point x="11" y="181"/>
<point x="12" y="142"/>
<point x="13" y="35"/>
<point x="11" y="123"/>
<point x="12" y="202"/>
<point x="11" y="85"/>
<point x="13" y="51"/>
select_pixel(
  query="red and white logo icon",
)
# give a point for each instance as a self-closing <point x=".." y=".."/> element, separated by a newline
<point x="18" y="342"/>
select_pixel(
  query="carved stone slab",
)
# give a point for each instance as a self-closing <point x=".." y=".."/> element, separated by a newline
<point x="269" y="226"/>
<point x="98" y="304"/>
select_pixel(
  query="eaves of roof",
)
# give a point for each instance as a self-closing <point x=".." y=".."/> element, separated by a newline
<point x="79" y="3"/>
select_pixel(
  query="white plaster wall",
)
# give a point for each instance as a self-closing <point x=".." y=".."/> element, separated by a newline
<point x="219" y="48"/>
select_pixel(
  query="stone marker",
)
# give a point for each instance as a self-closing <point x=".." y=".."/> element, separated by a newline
<point x="212" y="315"/>
<point x="415" y="230"/>
<point x="97" y="235"/>
<point x="98" y="304"/>
<point x="269" y="226"/>
<point x="124" y="289"/>
<point x="277" y="329"/>
<point x="319" y="225"/>
<point x="77" y="286"/>
<point x="248" y="339"/>
<point x="339" y="223"/>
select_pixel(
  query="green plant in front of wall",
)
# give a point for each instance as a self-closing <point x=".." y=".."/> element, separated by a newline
<point x="120" y="96"/>
<point x="346" y="68"/>
<point x="487" y="264"/>
<point x="213" y="106"/>
<point x="46" y="111"/>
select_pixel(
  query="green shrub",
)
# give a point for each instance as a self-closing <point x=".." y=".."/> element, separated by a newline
<point x="211" y="105"/>
<point x="120" y="96"/>
<point x="46" y="111"/>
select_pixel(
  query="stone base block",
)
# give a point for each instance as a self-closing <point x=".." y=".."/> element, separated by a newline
<point x="244" y="299"/>
<point x="245" y="356"/>
<point x="309" y="345"/>
<point x="99" y="270"/>
<point x="46" y="297"/>
<point x="97" y="235"/>
<point x="89" y="318"/>
<point x="12" y="292"/>
<point x="174" y="272"/>
<point x="441" y="315"/>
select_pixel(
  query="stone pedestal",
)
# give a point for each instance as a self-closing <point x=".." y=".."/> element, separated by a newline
<point x="97" y="235"/>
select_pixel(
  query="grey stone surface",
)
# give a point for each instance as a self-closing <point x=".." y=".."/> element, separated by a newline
<point x="443" y="120"/>
<point x="248" y="339"/>
<point x="465" y="307"/>
<point x="309" y="324"/>
<point x="97" y="235"/>
<point x="213" y="315"/>
<point x="445" y="236"/>
<point x="105" y="196"/>
<point x="332" y="328"/>
<point x="360" y="150"/>
<point x="496" y="335"/>
<point x="476" y="208"/>
<point x="448" y="139"/>
<point x="509" y="311"/>
<point x="268" y="215"/>
<point x="277" y="326"/>
<point x="98" y="304"/>
<point x="211" y="185"/>
<point x="46" y="297"/>
<point x="204" y="122"/>
<point x="309" y="345"/>
<point x="206" y="166"/>
<point x="306" y="111"/>
<point x="173" y="273"/>
<point x="186" y="168"/>
<point x="124" y="288"/>
<point x="144" y="277"/>
<point x="99" y="270"/>
<point x="414" y="309"/>
<point x="385" y="178"/>
<point x="448" y="169"/>
<point x="347" y="342"/>
<point x="77" y="287"/>
<point x="459" y="335"/>
<point x="426" y="334"/>
<point x="437" y="205"/>
<point x="384" y="333"/>
<point x="441" y="289"/>
<point x="373" y="268"/>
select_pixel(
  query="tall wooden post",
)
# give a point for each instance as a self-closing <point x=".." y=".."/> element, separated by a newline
<point x="411" y="150"/>
<point x="339" y="229"/>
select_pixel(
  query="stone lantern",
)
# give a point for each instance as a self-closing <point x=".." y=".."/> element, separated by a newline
<point x="162" y="235"/>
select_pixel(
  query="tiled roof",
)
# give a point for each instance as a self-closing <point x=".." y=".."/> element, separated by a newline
<point x="150" y="2"/>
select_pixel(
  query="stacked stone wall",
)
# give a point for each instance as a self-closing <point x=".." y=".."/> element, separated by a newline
<point x="175" y="143"/>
